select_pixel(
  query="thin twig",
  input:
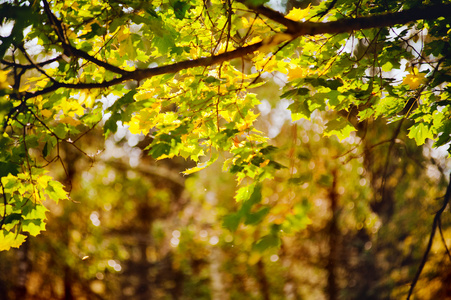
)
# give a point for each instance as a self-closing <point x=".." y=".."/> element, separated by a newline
<point x="5" y="201"/>
<point x="435" y="224"/>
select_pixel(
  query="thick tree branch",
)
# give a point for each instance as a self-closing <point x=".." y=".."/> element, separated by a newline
<point x="348" y="25"/>
<point x="78" y="53"/>
<point x="141" y="74"/>
<point x="151" y="170"/>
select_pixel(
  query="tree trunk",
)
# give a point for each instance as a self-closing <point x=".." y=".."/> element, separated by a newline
<point x="262" y="280"/>
<point x="22" y="273"/>
<point x="332" y="286"/>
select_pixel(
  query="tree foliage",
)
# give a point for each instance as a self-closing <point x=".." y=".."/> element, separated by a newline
<point x="184" y="72"/>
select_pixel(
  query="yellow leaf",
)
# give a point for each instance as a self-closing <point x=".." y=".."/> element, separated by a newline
<point x="254" y="40"/>
<point x="254" y="258"/>
<point x="297" y="14"/>
<point x="296" y="73"/>
<point x="274" y="40"/>
<point x="198" y="168"/>
<point x="10" y="240"/>
<point x="24" y="87"/>
<point x="4" y="79"/>
<point x="414" y="80"/>
<point x="37" y="198"/>
<point x="193" y="52"/>
<point x="134" y="125"/>
<point x="143" y="95"/>
<point x="164" y="156"/>
<point x="42" y="181"/>
<point x="72" y="108"/>
<point x="70" y="121"/>
<point x="277" y="39"/>
<point x="46" y="113"/>
<point x="184" y="137"/>
<point x="86" y="98"/>
<point x="123" y="34"/>
<point x="222" y="49"/>
<point x="41" y="83"/>
<point x="201" y="166"/>
<point x="264" y="164"/>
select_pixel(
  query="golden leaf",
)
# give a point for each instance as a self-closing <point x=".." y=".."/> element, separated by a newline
<point x="297" y="14"/>
<point x="414" y="80"/>
<point x="46" y="113"/>
<point x="296" y="73"/>
<point x="70" y="121"/>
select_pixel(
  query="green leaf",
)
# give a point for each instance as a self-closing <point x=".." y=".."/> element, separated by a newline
<point x="268" y="149"/>
<point x="300" y="110"/>
<point x="334" y="84"/>
<point x="276" y="165"/>
<point x="55" y="191"/>
<point x="245" y="193"/>
<point x="34" y="227"/>
<point x="211" y="79"/>
<point x="201" y="166"/>
<point x="267" y="242"/>
<point x="420" y="132"/>
<point x="257" y="217"/>
<point x="12" y="217"/>
<point x="96" y="30"/>
<point x="8" y="168"/>
<point x="34" y="212"/>
<point x="301" y="179"/>
<point x="255" y="2"/>
<point x="388" y="66"/>
<point x="231" y="221"/>
<point x="445" y="137"/>
<point x="180" y="8"/>
<point x="159" y="150"/>
<point x="339" y="127"/>
<point x="325" y="180"/>
<point x="45" y="150"/>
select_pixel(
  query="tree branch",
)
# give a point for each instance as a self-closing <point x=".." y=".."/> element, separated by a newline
<point x="141" y="74"/>
<point x="348" y="25"/>
<point x="435" y="224"/>
<point x="5" y="202"/>
<point x="33" y="66"/>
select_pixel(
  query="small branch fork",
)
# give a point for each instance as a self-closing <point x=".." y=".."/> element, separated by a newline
<point x="435" y="224"/>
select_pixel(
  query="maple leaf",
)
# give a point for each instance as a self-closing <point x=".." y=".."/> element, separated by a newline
<point x="296" y="73"/>
<point x="414" y="80"/>
<point x="297" y="14"/>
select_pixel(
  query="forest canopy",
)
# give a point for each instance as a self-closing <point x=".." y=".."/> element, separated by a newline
<point x="186" y="74"/>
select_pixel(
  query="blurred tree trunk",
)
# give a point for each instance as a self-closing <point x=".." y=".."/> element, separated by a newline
<point x="332" y="286"/>
<point x="72" y="156"/>
<point x="217" y="286"/>
<point x="23" y="267"/>
<point x="262" y="280"/>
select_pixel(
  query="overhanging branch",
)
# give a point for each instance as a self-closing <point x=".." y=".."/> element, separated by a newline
<point x="141" y="74"/>
<point x="348" y="25"/>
